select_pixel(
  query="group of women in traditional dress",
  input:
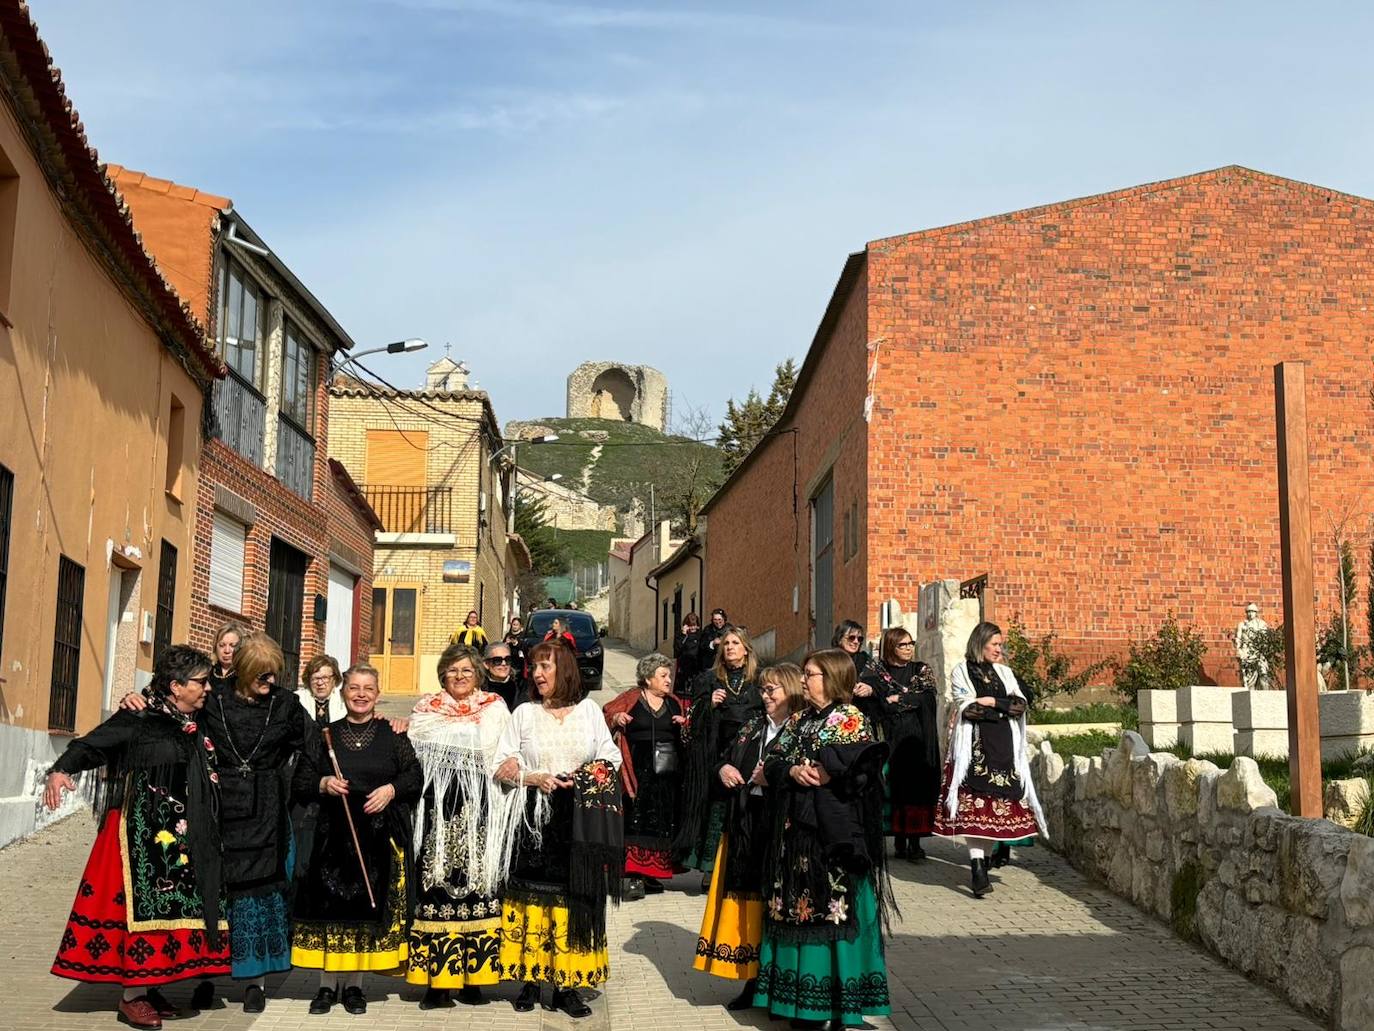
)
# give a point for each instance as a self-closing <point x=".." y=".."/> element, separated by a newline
<point x="244" y="831"/>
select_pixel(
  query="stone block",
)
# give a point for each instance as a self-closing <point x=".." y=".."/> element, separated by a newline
<point x="1357" y="1001"/>
<point x="1312" y="864"/>
<point x="1357" y="886"/>
<point x="1266" y="826"/>
<point x="1205" y="704"/>
<point x="1208" y="738"/>
<point x="1147" y="774"/>
<point x="1242" y="788"/>
<point x="1343" y="801"/>
<point x="1207" y="800"/>
<point x="1259" y="710"/>
<point x="1159" y="735"/>
<point x="1158" y="706"/>
<point x="1181" y="788"/>
<point x="1347" y="722"/>
<point x="1309" y="977"/>
<point x="1254" y="743"/>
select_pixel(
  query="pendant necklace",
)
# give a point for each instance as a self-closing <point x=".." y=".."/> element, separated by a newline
<point x="245" y="765"/>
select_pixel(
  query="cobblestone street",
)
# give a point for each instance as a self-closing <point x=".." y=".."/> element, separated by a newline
<point x="1080" y="957"/>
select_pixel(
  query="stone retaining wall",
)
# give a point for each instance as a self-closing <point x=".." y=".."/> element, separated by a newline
<point x="1287" y="901"/>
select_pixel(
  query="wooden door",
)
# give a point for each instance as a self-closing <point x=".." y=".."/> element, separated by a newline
<point x="286" y="606"/>
<point x="395" y="636"/>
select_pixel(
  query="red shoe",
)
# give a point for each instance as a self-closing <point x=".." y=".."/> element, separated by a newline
<point x="139" y="1013"/>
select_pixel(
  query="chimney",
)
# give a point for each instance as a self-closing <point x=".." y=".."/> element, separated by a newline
<point x="665" y="538"/>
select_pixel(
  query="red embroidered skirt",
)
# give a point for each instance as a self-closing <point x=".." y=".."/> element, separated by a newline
<point x="983" y="816"/>
<point x="641" y="861"/>
<point x="98" y="945"/>
<point x="913" y="819"/>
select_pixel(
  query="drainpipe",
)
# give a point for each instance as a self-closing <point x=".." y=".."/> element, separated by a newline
<point x="653" y="587"/>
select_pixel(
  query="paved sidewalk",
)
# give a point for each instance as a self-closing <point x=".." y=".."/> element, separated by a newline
<point x="1045" y="951"/>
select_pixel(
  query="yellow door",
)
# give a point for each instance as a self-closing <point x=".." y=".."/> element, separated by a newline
<point x="395" y="622"/>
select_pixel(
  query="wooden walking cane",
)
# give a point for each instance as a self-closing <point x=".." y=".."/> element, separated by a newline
<point x="348" y="813"/>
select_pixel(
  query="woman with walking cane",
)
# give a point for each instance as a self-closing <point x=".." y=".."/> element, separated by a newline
<point x="353" y="908"/>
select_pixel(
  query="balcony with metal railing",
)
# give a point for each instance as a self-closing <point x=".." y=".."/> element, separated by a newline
<point x="240" y="416"/>
<point x="295" y="457"/>
<point x="413" y="515"/>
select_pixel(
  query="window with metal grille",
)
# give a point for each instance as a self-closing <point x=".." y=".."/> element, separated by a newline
<point x="66" y="647"/>
<point x="6" y="508"/>
<point x="242" y="323"/>
<point x="166" y="600"/>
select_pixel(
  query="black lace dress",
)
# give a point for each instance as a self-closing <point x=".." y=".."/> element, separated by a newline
<point x="651" y="817"/>
<point x="711" y="732"/>
<point x="336" y="926"/>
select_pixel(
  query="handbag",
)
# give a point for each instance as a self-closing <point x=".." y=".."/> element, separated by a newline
<point x="665" y="754"/>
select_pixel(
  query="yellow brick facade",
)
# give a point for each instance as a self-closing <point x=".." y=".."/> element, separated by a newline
<point x="459" y="434"/>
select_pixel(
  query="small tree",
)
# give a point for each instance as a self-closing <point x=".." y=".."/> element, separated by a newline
<point x="1043" y="672"/>
<point x="1171" y="659"/>
<point x="747" y="422"/>
<point x="694" y="473"/>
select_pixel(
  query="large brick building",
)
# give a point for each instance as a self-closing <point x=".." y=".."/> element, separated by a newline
<point x="1076" y="400"/>
<point x="270" y="549"/>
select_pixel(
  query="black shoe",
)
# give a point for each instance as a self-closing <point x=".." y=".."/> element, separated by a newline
<point x="571" y="1003"/>
<point x="633" y="890"/>
<point x="204" y="996"/>
<point x="705" y="882"/>
<point x="899" y="846"/>
<point x="745" y="999"/>
<point x="529" y="995"/>
<point x="323" y="1001"/>
<point x="653" y="886"/>
<point x="1001" y="856"/>
<point x="916" y="853"/>
<point x="470" y="995"/>
<point x="353" y="1000"/>
<point x="981" y="884"/>
<point x="254" y="999"/>
<point x="165" y="1010"/>
<point x="436" y="999"/>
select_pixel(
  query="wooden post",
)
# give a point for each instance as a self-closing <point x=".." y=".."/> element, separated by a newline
<point x="1299" y="620"/>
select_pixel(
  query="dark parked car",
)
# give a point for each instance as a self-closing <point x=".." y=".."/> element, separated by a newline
<point x="591" y="658"/>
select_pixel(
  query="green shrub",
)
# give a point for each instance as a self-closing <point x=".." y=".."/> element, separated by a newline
<point x="1099" y="712"/>
<point x="1171" y="659"/>
<point x="1089" y="744"/>
<point x="1044" y="673"/>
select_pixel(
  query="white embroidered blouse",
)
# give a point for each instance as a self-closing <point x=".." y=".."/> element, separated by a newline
<point x="543" y="744"/>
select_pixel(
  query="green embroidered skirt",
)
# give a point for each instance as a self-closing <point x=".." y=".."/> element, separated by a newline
<point x="821" y="980"/>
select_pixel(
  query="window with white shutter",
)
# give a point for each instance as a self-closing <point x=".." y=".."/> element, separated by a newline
<point x="227" y="542"/>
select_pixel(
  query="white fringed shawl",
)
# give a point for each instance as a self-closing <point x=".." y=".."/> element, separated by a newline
<point x="961" y="741"/>
<point x="459" y="750"/>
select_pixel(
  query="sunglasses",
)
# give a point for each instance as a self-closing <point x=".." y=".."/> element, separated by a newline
<point x="498" y="660"/>
<point x="853" y="637"/>
<point x="266" y="678"/>
<point x="202" y="681"/>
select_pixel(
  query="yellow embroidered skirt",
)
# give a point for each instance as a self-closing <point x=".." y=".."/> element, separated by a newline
<point x="447" y="953"/>
<point x="350" y="947"/>
<point x="731" y="928"/>
<point x="534" y="947"/>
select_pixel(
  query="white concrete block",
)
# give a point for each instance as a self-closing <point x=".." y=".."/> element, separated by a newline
<point x="1158" y="706"/>
<point x="1205" y="704"/>
<point x="1338" y="745"/>
<point x="1259" y="710"/>
<point x="1205" y="738"/>
<point x="1346" y="713"/>
<point x="1258" y="743"/>
<point x="1159" y="736"/>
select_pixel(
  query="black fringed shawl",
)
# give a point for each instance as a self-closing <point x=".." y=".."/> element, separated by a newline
<point x="597" y="857"/>
<point x="825" y="839"/>
<point x="710" y="731"/>
<point x="161" y="754"/>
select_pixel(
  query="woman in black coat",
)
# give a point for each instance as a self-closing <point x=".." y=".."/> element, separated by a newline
<point x="901" y="698"/>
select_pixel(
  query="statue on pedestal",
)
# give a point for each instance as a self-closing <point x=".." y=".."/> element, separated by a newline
<point x="1255" y="673"/>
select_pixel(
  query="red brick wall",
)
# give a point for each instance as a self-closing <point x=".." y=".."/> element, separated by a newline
<point x="1079" y="401"/>
<point x="280" y="513"/>
<point x="755" y="553"/>
<point x="347" y="525"/>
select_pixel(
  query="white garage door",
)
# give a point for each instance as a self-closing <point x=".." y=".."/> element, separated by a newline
<point x="338" y="630"/>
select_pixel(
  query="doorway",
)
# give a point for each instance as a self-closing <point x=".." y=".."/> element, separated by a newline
<point x="339" y="629"/>
<point x="395" y="618"/>
<point x="121" y="636"/>
<point x="286" y="606"/>
<point x="823" y="564"/>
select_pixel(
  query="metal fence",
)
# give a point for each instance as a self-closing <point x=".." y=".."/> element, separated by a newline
<point x="412" y="509"/>
<point x="591" y="580"/>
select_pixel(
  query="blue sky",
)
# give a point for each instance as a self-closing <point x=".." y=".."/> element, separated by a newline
<point x="544" y="183"/>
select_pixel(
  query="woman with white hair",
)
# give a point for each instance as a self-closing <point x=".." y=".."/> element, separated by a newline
<point x="986" y="794"/>
<point x="646" y="722"/>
